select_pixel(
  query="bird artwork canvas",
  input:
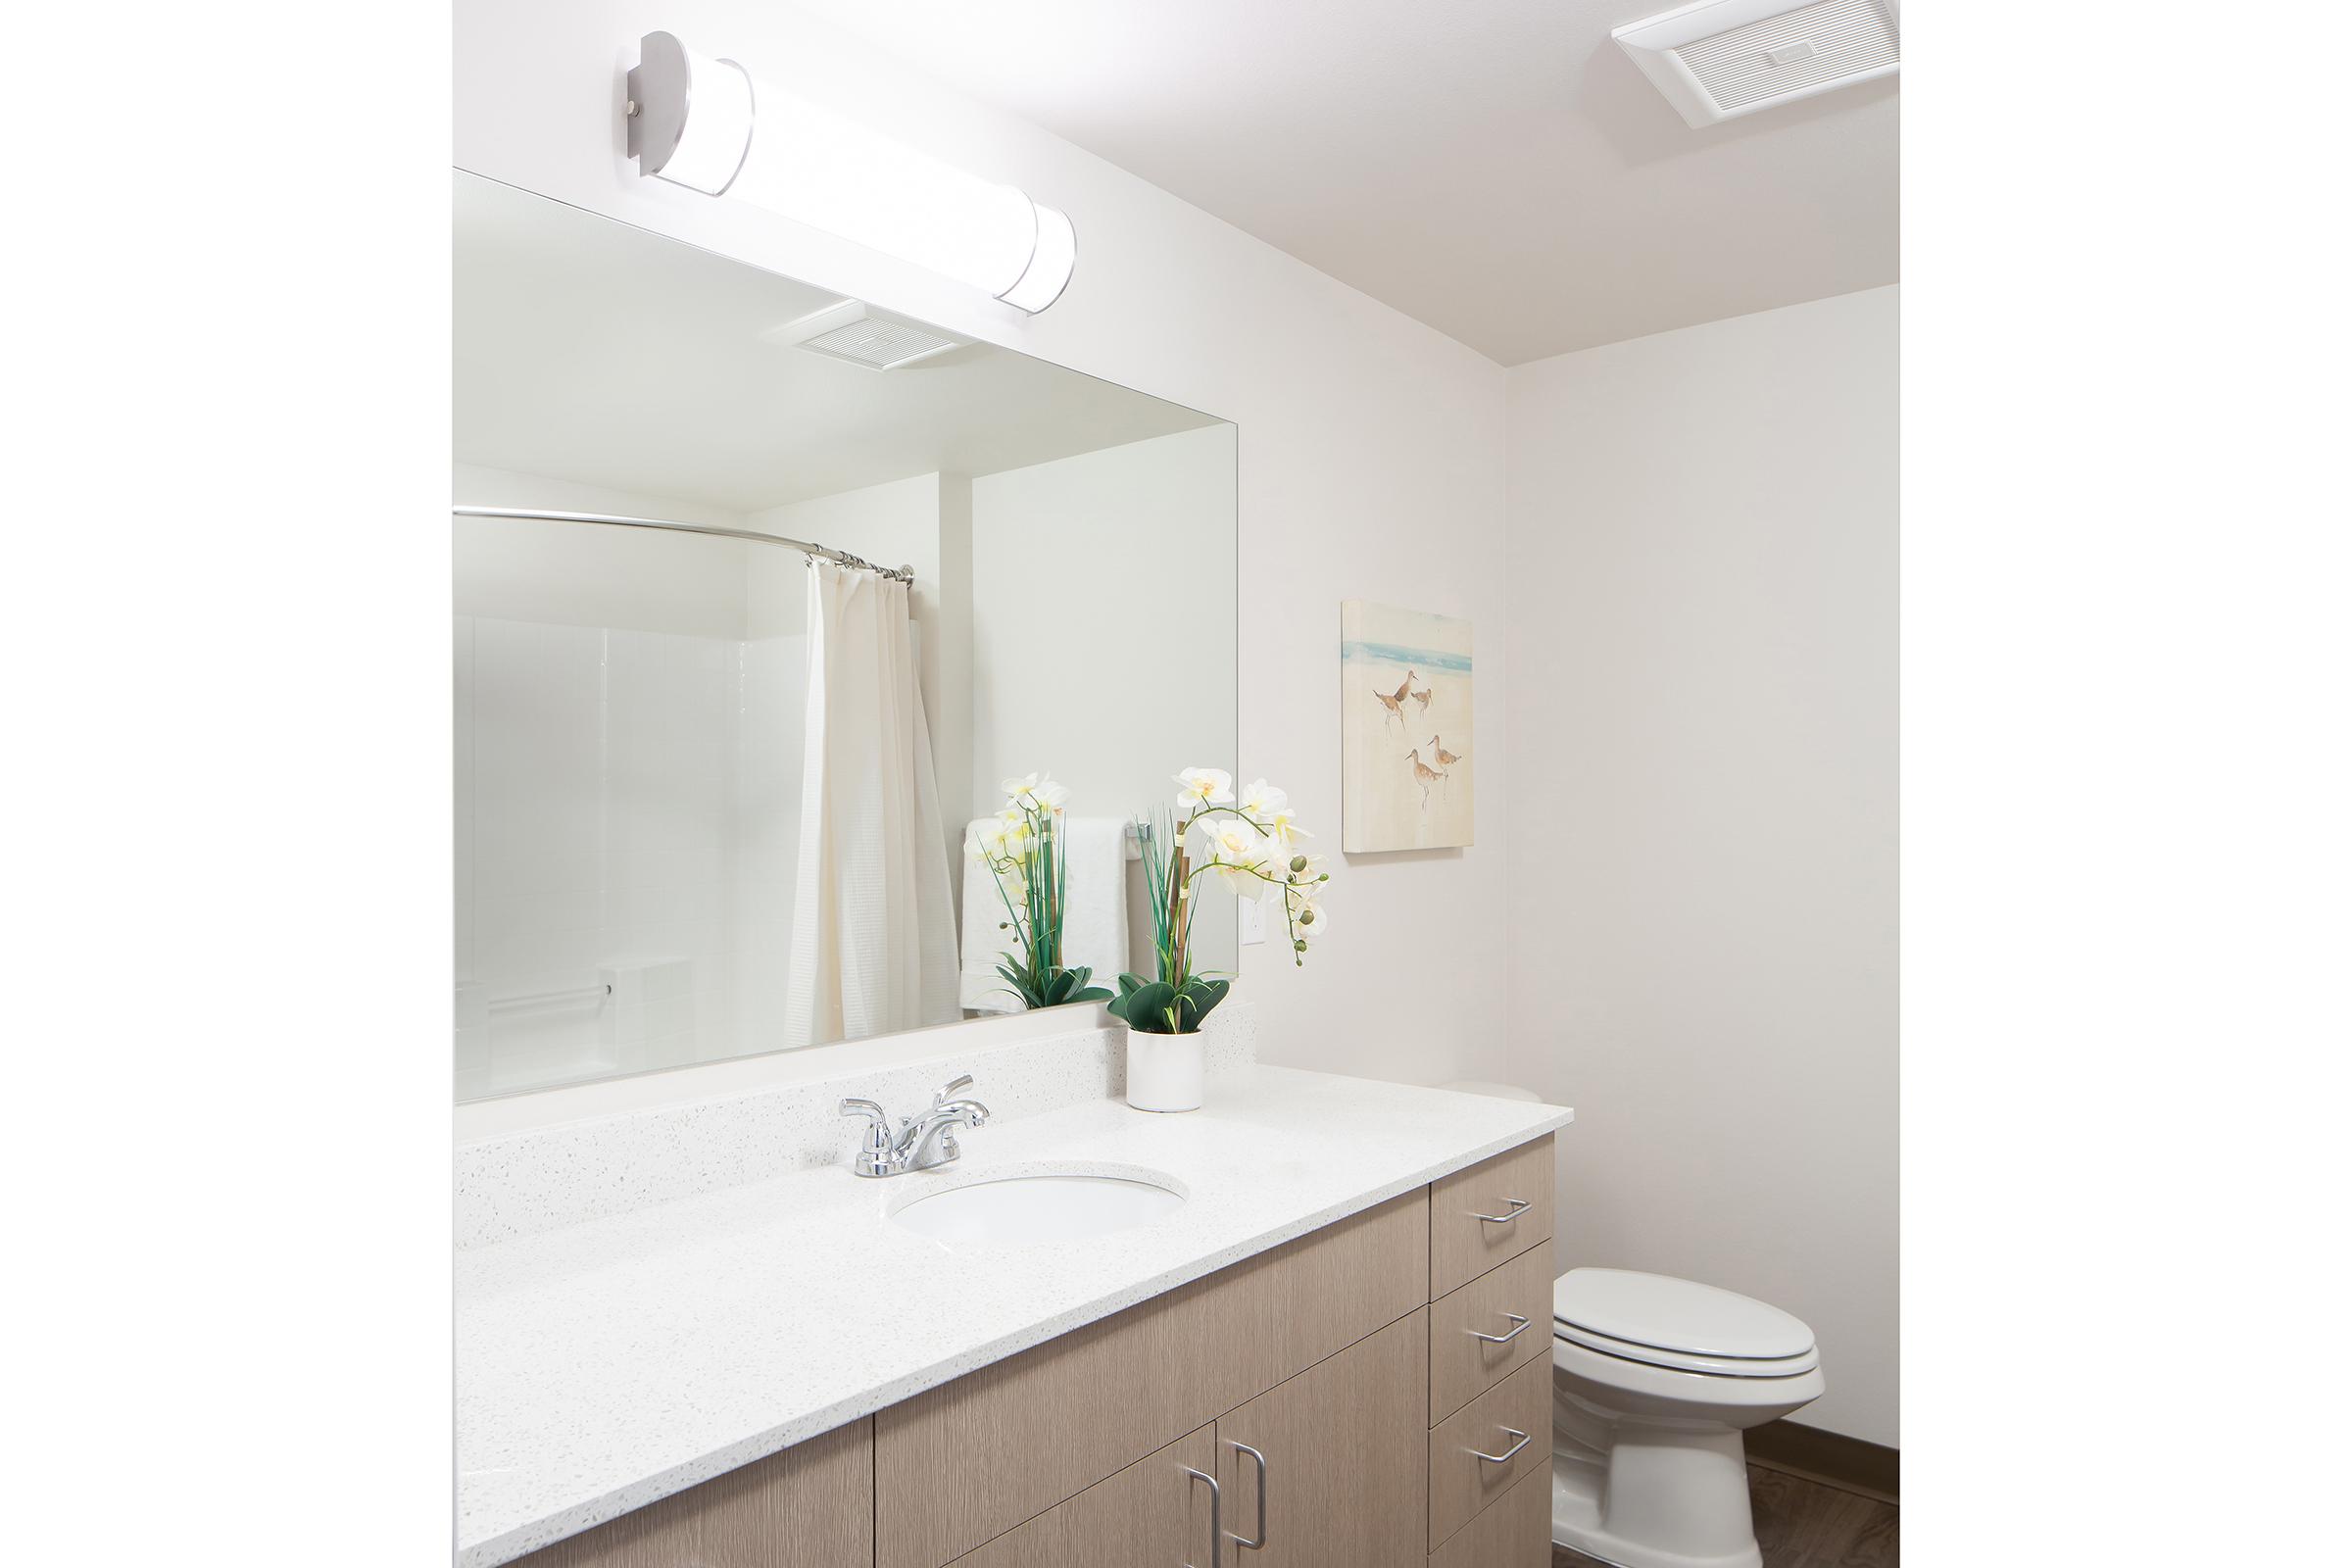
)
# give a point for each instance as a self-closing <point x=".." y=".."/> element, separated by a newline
<point x="1405" y="737"/>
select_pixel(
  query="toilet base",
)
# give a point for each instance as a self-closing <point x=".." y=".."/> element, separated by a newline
<point x="1659" y="1497"/>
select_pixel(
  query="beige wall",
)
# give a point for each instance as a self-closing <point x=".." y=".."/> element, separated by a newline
<point x="1702" y="779"/>
<point x="1371" y="449"/>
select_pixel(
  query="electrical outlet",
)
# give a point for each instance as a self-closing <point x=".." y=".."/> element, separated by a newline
<point x="1254" y="921"/>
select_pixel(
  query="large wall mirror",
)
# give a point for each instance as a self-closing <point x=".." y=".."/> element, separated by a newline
<point x="713" y="799"/>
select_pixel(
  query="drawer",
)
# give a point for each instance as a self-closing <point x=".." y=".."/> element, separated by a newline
<point x="1461" y="1483"/>
<point x="967" y="1461"/>
<point x="1516" y="1533"/>
<point x="810" y="1507"/>
<point x="1461" y="1365"/>
<point x="1148" y="1515"/>
<point x="1489" y="1214"/>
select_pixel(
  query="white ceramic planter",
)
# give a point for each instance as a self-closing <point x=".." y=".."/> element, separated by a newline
<point x="1165" y="1072"/>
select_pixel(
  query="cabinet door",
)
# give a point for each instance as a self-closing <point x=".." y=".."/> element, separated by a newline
<point x="810" y="1507"/>
<point x="1152" y="1515"/>
<point x="1346" y="1460"/>
<point x="965" y="1463"/>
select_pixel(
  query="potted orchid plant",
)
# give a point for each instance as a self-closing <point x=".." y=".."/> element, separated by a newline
<point x="1250" y="845"/>
<point x="1022" y="848"/>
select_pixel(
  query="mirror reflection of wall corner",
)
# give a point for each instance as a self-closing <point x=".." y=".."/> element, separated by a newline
<point x="643" y="767"/>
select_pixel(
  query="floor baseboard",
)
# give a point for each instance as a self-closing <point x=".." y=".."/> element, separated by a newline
<point x="1866" y="1469"/>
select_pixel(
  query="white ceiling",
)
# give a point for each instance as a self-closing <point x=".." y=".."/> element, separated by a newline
<point x="591" y="351"/>
<point x="1497" y="168"/>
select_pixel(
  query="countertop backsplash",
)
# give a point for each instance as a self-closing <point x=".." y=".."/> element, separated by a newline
<point x="523" y="1183"/>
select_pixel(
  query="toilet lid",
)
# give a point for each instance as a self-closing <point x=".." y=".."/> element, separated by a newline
<point x="1658" y="1312"/>
<point x="1713" y="1366"/>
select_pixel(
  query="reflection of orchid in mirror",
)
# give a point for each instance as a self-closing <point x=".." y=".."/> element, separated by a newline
<point x="1021" y="846"/>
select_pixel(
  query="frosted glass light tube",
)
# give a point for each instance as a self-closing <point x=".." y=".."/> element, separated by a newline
<point x="710" y="127"/>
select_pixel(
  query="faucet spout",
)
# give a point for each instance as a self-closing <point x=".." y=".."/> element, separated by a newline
<point x="929" y="1140"/>
<point x="922" y="1141"/>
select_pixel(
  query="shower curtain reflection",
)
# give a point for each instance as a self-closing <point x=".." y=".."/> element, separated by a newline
<point x="631" y="753"/>
<point x="873" y="929"/>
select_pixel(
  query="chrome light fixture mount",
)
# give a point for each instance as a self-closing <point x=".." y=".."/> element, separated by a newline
<point x="692" y="121"/>
<point x="661" y="93"/>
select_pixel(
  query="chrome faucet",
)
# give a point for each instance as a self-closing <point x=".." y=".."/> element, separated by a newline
<point x="920" y="1143"/>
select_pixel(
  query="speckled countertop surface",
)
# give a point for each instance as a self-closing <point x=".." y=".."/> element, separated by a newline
<point x="610" y="1363"/>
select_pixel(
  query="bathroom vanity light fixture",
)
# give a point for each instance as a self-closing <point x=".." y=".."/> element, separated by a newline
<point x="709" y="126"/>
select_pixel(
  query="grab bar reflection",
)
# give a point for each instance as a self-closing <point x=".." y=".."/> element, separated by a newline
<point x="580" y="997"/>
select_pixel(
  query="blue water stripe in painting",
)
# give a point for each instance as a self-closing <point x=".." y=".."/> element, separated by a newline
<point x="1358" y="653"/>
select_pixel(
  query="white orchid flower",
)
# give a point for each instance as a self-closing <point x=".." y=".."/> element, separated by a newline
<point x="1261" y="800"/>
<point x="1269" y="807"/>
<point x="1304" y="870"/>
<point x="1308" y="918"/>
<point x="1036" y="793"/>
<point x="1238" y="852"/>
<point x="1203" y="785"/>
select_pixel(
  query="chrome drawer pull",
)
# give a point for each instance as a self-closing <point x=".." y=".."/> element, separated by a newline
<point x="1508" y="1455"/>
<point x="1240" y="1540"/>
<point x="1503" y="1338"/>
<point x="1518" y="1206"/>
<point x="1216" y="1517"/>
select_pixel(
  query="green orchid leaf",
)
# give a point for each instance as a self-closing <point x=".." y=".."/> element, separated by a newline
<point x="1150" y="1007"/>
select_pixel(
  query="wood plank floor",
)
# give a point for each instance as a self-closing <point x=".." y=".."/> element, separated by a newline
<point x="1805" y="1523"/>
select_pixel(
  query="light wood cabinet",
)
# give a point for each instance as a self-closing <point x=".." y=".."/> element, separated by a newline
<point x="811" y="1506"/>
<point x="1344" y="1456"/>
<point x="965" y="1463"/>
<point x="1150" y="1515"/>
<point x="1484" y="1216"/>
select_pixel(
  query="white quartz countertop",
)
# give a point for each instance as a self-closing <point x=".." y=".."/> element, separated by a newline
<point x="610" y="1363"/>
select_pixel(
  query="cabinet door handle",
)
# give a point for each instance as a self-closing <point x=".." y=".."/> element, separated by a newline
<point x="1240" y="1540"/>
<point x="1508" y="1455"/>
<point x="1517" y="1206"/>
<point x="1503" y="1338"/>
<point x="1216" y="1517"/>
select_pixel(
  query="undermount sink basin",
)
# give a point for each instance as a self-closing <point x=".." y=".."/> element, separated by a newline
<point x="1027" y="1207"/>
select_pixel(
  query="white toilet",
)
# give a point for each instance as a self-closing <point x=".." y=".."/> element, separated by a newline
<point x="1653" y="1380"/>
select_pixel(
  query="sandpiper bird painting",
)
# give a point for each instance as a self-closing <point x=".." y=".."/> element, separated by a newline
<point x="1423" y="774"/>
<point x="1424" y="797"/>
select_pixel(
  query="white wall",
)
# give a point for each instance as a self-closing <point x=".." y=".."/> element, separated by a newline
<point x="1371" y="447"/>
<point x="1702" y="756"/>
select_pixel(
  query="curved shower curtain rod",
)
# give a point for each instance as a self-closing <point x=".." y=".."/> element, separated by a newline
<point x="905" y="574"/>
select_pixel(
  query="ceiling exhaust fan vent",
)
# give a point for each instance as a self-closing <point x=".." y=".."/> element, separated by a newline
<point x="1721" y="58"/>
<point x="856" y="334"/>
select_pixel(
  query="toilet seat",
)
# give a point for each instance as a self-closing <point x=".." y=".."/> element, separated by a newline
<point x="1680" y="1325"/>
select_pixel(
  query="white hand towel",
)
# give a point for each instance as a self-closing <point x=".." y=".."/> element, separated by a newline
<point x="1094" y="928"/>
<point x="1093" y="933"/>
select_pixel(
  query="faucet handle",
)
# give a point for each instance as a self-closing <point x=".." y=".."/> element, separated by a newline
<point x="958" y="1087"/>
<point x="877" y="1137"/>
